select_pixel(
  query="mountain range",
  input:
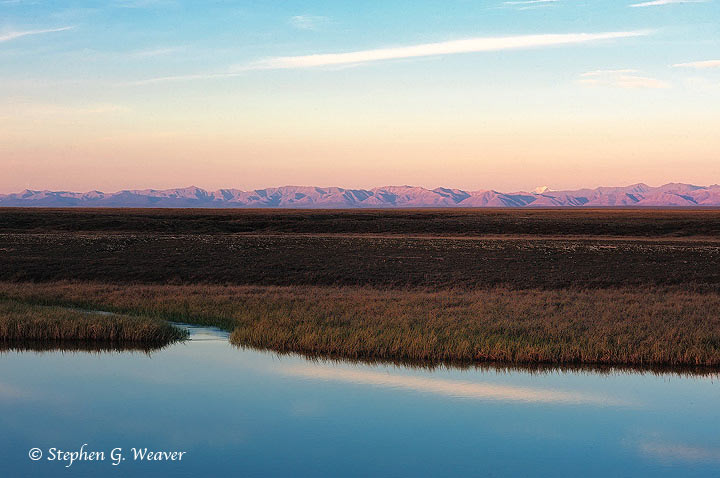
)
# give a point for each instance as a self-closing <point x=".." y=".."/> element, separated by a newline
<point x="669" y="195"/>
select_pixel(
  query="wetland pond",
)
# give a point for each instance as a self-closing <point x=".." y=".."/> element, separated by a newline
<point x="242" y="412"/>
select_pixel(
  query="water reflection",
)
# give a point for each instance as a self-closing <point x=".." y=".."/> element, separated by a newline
<point x="10" y="392"/>
<point x="451" y="388"/>
<point x="78" y="346"/>
<point x="502" y="367"/>
<point x="670" y="452"/>
<point x="240" y="411"/>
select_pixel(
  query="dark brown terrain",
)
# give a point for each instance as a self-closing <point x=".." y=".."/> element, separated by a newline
<point x="633" y="222"/>
<point x="612" y="287"/>
<point x="415" y="248"/>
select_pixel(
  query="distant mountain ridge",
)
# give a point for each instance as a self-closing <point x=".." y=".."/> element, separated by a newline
<point x="669" y="195"/>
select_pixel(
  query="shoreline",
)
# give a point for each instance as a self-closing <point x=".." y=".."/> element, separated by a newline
<point x="31" y="326"/>
<point x="644" y="327"/>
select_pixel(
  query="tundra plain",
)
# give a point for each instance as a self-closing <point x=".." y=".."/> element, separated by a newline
<point x="603" y="286"/>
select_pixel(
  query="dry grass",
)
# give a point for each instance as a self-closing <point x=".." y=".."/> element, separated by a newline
<point x="629" y="326"/>
<point x="22" y="323"/>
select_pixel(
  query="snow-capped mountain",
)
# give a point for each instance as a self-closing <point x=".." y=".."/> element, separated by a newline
<point x="670" y="195"/>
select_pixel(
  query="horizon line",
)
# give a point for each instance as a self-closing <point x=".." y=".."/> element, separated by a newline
<point x="468" y="190"/>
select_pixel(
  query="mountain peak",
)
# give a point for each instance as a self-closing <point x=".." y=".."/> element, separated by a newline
<point x="668" y="195"/>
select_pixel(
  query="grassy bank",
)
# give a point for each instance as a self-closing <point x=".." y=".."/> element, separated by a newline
<point x="628" y="326"/>
<point x="23" y="324"/>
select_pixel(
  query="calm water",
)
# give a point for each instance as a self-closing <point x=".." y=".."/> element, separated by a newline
<point x="247" y="413"/>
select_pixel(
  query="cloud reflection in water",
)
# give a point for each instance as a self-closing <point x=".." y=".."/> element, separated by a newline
<point x="449" y="388"/>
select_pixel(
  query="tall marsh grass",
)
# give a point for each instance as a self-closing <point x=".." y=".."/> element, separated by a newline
<point x="627" y="326"/>
<point x="23" y="323"/>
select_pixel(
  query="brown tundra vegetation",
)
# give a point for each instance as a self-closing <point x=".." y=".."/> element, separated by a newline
<point x="630" y="287"/>
<point x="29" y="323"/>
<point x="662" y="326"/>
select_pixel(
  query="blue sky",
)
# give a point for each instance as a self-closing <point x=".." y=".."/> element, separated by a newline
<point x="154" y="93"/>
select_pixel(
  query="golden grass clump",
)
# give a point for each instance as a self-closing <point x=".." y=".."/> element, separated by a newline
<point x="621" y="326"/>
<point x="23" y="323"/>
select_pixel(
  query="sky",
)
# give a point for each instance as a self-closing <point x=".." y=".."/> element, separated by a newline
<point x="506" y="95"/>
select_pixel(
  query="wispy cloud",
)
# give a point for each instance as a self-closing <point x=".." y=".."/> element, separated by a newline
<point x="656" y="3"/>
<point x="699" y="65"/>
<point x="142" y="3"/>
<point x="626" y="78"/>
<point x="308" y="22"/>
<point x="596" y="73"/>
<point x="469" y="45"/>
<point x="197" y="76"/>
<point x="530" y="4"/>
<point x="18" y="34"/>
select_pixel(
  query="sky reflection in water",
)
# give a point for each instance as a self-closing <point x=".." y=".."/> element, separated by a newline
<point x="248" y="413"/>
